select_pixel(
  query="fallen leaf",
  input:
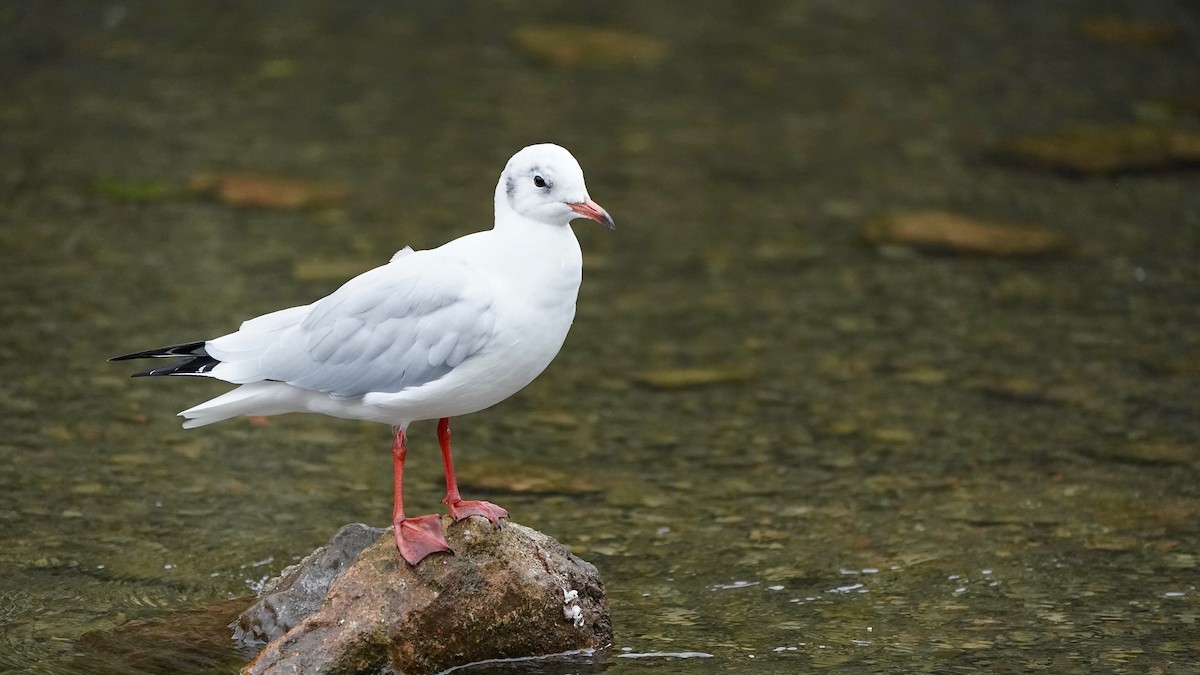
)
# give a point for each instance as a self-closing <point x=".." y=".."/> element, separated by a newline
<point x="684" y="378"/>
<point x="266" y="191"/>
<point x="574" y="46"/>
<point x="277" y="69"/>
<point x="119" y="189"/>
<point x="557" y="419"/>
<point x="1024" y="390"/>
<point x="950" y="232"/>
<point x="1122" y="32"/>
<point x="496" y="475"/>
<point x="892" y="436"/>
<point x="1152" y="451"/>
<point x="927" y="375"/>
<point x="1111" y="543"/>
<point x="1104" y="151"/>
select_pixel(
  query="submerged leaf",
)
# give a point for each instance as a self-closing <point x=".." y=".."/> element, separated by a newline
<point x="1098" y="151"/>
<point x="1123" y="32"/>
<point x="684" y="378"/>
<point x="950" y="232"/>
<point x="266" y="191"/>
<point x="119" y="189"/>
<point x="277" y="69"/>
<point x="504" y="476"/>
<point x="573" y="46"/>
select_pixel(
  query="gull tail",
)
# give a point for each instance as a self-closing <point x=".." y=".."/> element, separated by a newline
<point x="191" y="357"/>
<point x="257" y="398"/>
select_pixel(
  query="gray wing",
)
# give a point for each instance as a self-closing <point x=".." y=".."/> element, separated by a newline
<point x="398" y="326"/>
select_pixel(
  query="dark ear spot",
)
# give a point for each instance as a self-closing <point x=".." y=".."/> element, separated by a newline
<point x="510" y="186"/>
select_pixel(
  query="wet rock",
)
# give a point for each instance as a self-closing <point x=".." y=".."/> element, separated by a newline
<point x="1104" y="151"/>
<point x="301" y="589"/>
<point x="939" y="231"/>
<point x="505" y="593"/>
<point x="267" y="192"/>
<point x="571" y="46"/>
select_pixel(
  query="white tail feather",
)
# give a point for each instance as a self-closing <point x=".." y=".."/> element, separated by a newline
<point x="256" y="398"/>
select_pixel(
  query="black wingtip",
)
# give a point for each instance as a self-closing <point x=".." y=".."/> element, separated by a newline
<point x="190" y="359"/>
<point x="199" y="365"/>
<point x="186" y="349"/>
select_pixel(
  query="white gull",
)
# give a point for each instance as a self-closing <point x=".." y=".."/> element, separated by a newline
<point x="430" y="335"/>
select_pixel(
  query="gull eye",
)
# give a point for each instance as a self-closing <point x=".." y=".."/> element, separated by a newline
<point x="539" y="181"/>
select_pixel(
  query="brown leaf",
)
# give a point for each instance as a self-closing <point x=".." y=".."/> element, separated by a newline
<point x="1123" y="32"/>
<point x="573" y="46"/>
<point x="266" y="191"/>
<point x="505" y="476"/>
<point x="685" y="378"/>
<point x="950" y="232"/>
<point x="1104" y="151"/>
<point x="1161" y="451"/>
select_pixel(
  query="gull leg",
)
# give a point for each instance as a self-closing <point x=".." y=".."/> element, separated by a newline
<point x="415" y="537"/>
<point x="460" y="509"/>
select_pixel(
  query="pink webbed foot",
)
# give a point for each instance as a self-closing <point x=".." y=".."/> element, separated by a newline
<point x="418" y="537"/>
<point x="460" y="509"/>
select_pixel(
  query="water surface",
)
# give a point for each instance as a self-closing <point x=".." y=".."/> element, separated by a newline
<point x="904" y="462"/>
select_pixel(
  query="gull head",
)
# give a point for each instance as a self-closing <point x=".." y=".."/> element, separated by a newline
<point x="544" y="183"/>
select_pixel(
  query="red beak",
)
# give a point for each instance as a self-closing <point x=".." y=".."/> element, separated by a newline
<point x="591" y="209"/>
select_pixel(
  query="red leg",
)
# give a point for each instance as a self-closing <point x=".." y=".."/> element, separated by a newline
<point x="460" y="509"/>
<point x="415" y="537"/>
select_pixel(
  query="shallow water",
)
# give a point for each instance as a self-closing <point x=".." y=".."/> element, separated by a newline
<point x="903" y="462"/>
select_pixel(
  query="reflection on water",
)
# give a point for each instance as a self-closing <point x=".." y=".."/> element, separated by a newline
<point x="781" y="446"/>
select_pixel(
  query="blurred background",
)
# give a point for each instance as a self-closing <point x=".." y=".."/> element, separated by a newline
<point x="890" y="366"/>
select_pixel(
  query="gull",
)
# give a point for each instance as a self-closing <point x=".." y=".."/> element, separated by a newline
<point x="432" y="334"/>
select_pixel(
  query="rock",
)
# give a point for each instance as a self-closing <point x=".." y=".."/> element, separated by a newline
<point x="1105" y="151"/>
<point x="505" y="593"/>
<point x="940" y="231"/>
<point x="301" y="589"/>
